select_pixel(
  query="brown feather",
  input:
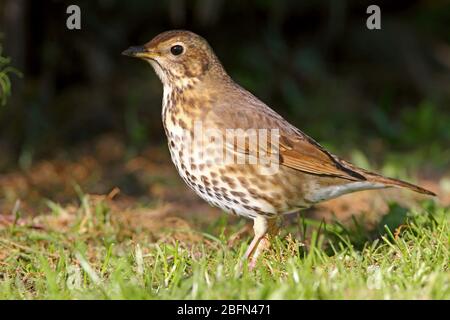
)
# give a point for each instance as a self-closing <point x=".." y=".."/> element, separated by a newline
<point x="377" y="178"/>
<point x="296" y="149"/>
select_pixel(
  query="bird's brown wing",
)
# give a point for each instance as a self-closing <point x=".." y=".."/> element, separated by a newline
<point x="296" y="150"/>
<point x="302" y="153"/>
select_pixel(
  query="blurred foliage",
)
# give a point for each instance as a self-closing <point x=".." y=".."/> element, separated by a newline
<point x="5" y="82"/>
<point x="314" y="61"/>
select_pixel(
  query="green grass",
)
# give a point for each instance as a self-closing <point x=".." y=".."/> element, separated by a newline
<point x="93" y="256"/>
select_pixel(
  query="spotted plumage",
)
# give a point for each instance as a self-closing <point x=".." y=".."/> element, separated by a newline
<point x="199" y="93"/>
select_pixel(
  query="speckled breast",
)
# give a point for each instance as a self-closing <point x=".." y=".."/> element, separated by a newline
<point x="235" y="188"/>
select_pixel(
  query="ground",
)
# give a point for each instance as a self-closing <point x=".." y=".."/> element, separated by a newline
<point x="111" y="225"/>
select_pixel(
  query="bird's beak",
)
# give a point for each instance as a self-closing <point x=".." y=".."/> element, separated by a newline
<point x="139" y="52"/>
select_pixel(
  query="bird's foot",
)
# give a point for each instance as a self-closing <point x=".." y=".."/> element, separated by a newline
<point x="264" y="229"/>
<point x="262" y="247"/>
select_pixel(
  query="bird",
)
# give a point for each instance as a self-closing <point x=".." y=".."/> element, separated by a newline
<point x="235" y="151"/>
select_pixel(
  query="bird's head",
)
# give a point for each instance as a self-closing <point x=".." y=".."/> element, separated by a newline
<point x="178" y="57"/>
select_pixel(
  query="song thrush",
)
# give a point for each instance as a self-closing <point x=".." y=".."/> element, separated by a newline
<point x="199" y="93"/>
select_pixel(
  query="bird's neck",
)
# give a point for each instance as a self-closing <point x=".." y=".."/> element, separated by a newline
<point x="181" y="84"/>
<point x="214" y="74"/>
<point x="193" y="95"/>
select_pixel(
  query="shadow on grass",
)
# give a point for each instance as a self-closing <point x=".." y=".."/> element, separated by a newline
<point x="355" y="234"/>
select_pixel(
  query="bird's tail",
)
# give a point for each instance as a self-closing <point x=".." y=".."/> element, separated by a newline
<point x="388" y="182"/>
<point x="397" y="183"/>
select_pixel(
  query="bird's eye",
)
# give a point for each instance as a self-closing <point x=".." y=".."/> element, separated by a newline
<point x="176" y="50"/>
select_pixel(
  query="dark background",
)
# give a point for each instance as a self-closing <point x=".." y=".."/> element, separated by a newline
<point x="384" y="92"/>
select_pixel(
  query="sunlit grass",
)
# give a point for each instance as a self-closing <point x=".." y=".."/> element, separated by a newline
<point x="95" y="257"/>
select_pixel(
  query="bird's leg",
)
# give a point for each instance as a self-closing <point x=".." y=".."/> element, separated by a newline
<point x="264" y="243"/>
<point x="263" y="228"/>
<point x="260" y="228"/>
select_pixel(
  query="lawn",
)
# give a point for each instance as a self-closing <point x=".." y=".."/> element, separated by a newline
<point x="90" y="251"/>
<point x="91" y="206"/>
